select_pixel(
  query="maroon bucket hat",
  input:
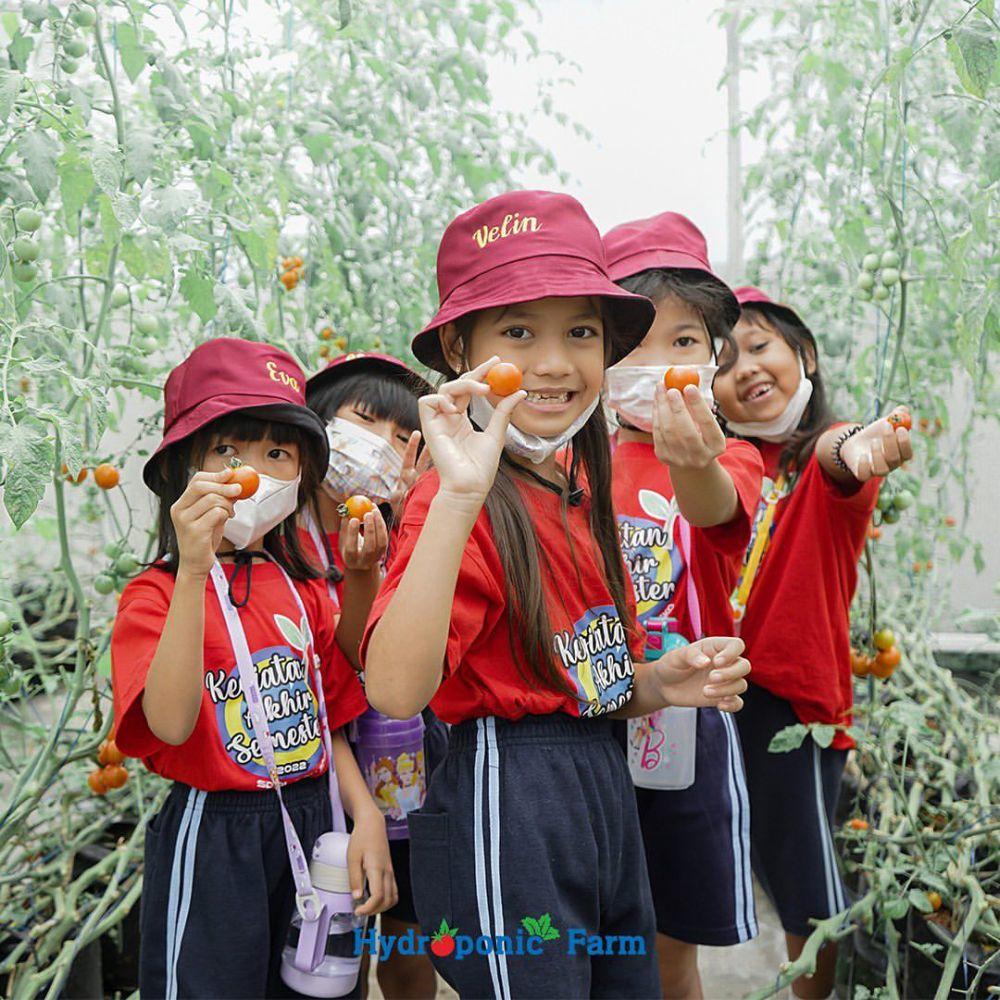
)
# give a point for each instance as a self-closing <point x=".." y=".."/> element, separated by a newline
<point x="360" y="361"/>
<point x="226" y="375"/>
<point x="521" y="246"/>
<point x="748" y="295"/>
<point x="667" y="240"/>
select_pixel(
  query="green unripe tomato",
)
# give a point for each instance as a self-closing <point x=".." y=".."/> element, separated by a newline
<point x="864" y="294"/>
<point x="890" y="276"/>
<point x="28" y="219"/>
<point x="903" y="500"/>
<point x="25" y="272"/>
<point x="146" y="324"/>
<point x="68" y="66"/>
<point x="25" y="248"/>
<point x="866" y="281"/>
<point x="84" y="17"/>
<point x="890" y="259"/>
<point x="244" y="279"/>
<point x="113" y="550"/>
<point x="252" y="135"/>
<point x="119" y="297"/>
<point x="884" y="501"/>
<point x="5" y="625"/>
<point x="149" y="344"/>
<point x="104" y="584"/>
<point x="64" y="95"/>
<point x="34" y="12"/>
<point x="126" y="565"/>
<point x="881" y="293"/>
<point x="75" y="48"/>
<point x="271" y="148"/>
<point x="891" y="516"/>
<point x="870" y="262"/>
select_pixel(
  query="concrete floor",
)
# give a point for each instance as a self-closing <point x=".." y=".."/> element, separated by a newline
<point x="727" y="973"/>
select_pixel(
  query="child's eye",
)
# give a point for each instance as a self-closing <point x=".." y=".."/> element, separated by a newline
<point x="517" y="332"/>
<point x="224" y="449"/>
<point x="279" y="454"/>
<point x="582" y="332"/>
<point x="685" y="342"/>
<point x="403" y="438"/>
<point x="364" y="416"/>
<point x="759" y="346"/>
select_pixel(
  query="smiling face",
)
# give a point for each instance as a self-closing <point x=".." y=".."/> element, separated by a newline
<point x="678" y="336"/>
<point x="558" y="344"/>
<point x="765" y="376"/>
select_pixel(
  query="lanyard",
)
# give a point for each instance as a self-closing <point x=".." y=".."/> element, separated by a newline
<point x="306" y="898"/>
<point x="763" y="520"/>
<point x="317" y="539"/>
<point x="694" y="607"/>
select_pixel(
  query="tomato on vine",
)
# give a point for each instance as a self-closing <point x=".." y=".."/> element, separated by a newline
<point x="504" y="379"/>
<point x="857" y="824"/>
<point x="107" y="476"/>
<point x="70" y="478"/>
<point x="290" y="279"/>
<point x="109" y="753"/>
<point x="96" y="781"/>
<point x="28" y="219"/>
<point x="115" y="776"/>
<point x="884" y="638"/>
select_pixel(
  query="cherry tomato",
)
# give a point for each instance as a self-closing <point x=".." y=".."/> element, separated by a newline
<point x="290" y="279"/>
<point x="106" y="476"/>
<point x="861" y="665"/>
<point x="109" y="753"/>
<point x="246" y="477"/>
<point x="901" y="418"/>
<point x="884" y="638"/>
<point x="857" y="824"/>
<point x="80" y="477"/>
<point x="115" y="776"/>
<point x="934" y="898"/>
<point x="326" y="333"/>
<point x="504" y="379"/>
<point x="96" y="781"/>
<point x="950" y="522"/>
<point x="886" y="661"/>
<point x="356" y="507"/>
<point x="678" y="377"/>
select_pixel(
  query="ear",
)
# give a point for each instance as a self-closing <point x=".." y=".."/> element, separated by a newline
<point x="810" y="358"/>
<point x="452" y="347"/>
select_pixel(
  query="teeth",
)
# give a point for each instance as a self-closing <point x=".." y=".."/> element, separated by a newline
<point x="548" y="397"/>
<point x="758" y="392"/>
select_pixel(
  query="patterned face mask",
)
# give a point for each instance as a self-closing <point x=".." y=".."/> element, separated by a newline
<point x="360" y="462"/>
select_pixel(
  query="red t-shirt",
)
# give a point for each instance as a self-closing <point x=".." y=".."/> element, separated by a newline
<point x="797" y="621"/>
<point x="650" y="534"/>
<point x="591" y="644"/>
<point x="221" y="753"/>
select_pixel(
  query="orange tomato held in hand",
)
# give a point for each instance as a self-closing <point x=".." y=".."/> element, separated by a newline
<point x="356" y="507"/>
<point x="677" y="377"/>
<point x="901" y="418"/>
<point x="106" y="476"/>
<point x="245" y="476"/>
<point x="504" y="379"/>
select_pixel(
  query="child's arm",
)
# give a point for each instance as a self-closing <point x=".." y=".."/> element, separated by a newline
<point x="362" y="555"/>
<point x="875" y="450"/>
<point x="368" y="850"/>
<point x="405" y="656"/>
<point x="678" y="678"/>
<point x="689" y="440"/>
<point x="172" y="696"/>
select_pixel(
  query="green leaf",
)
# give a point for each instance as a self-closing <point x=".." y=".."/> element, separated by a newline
<point x="75" y="184"/>
<point x="344" y="12"/>
<point x="896" y="909"/>
<point x="973" y="53"/>
<point x="39" y="152"/>
<point x="530" y="924"/>
<point x="10" y="86"/>
<point x="789" y="738"/>
<point x="106" y="164"/>
<point x="918" y="899"/>
<point x="126" y="209"/>
<point x="19" y="50"/>
<point x="29" y="457"/>
<point x="140" y="154"/>
<point x="288" y="628"/>
<point x="133" y="55"/>
<point x="823" y="735"/>
<point x="197" y="290"/>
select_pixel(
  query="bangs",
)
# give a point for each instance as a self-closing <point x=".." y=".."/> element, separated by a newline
<point x="382" y="397"/>
<point x="243" y="428"/>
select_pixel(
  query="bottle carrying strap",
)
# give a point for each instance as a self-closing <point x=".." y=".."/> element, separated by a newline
<point x="757" y="548"/>
<point x="317" y="539"/>
<point x="306" y="897"/>
<point x="694" y="606"/>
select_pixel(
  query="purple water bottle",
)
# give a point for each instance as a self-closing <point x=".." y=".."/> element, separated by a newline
<point x="391" y="757"/>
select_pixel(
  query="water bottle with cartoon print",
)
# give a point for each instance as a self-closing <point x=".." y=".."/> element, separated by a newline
<point x="661" y="746"/>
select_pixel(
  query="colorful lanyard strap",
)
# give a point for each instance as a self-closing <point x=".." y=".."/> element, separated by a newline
<point x="317" y="539"/>
<point x="306" y="898"/>
<point x="761" y="539"/>
<point x="694" y="606"/>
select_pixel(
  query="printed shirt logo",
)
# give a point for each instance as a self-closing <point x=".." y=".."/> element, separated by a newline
<point x="652" y="555"/>
<point x="512" y="225"/>
<point x="596" y="657"/>
<point x="289" y="704"/>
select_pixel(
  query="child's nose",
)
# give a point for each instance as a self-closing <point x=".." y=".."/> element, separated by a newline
<point x="552" y="359"/>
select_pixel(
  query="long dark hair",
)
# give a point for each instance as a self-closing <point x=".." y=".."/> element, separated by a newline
<point x="530" y="631"/>
<point x="819" y="415"/>
<point x="282" y="541"/>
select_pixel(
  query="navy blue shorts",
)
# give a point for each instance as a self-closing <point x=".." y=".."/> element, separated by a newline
<point x="698" y="843"/>
<point x="529" y="845"/>
<point x="217" y="892"/>
<point x="792" y="801"/>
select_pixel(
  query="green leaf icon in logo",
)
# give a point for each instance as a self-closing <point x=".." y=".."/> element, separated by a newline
<point x="291" y="632"/>
<point x="540" y="928"/>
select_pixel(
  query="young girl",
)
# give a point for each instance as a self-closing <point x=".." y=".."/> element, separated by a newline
<point x="218" y="888"/>
<point x="368" y="403"/>
<point x="685" y="498"/>
<point x="507" y="608"/>
<point x="793" y="600"/>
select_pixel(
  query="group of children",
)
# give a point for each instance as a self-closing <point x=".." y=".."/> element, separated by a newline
<point x="533" y="568"/>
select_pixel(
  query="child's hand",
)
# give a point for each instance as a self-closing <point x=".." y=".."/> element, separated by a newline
<point x="199" y="516"/>
<point x="706" y="674"/>
<point x="876" y="450"/>
<point x="368" y="859"/>
<point x="413" y="468"/>
<point x="686" y="434"/>
<point x="363" y="552"/>
<point x="466" y="459"/>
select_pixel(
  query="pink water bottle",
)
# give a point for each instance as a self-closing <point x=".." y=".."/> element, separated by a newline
<point x="391" y="757"/>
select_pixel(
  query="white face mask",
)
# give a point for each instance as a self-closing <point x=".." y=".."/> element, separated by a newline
<point x="360" y="462"/>
<point x="530" y="446"/>
<point x="274" y="500"/>
<point x="782" y="426"/>
<point x="630" y="391"/>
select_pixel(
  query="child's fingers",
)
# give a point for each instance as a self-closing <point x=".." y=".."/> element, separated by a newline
<point x="731" y="680"/>
<point x="356" y="875"/>
<point x="200" y="487"/>
<point x="350" y="532"/>
<point x="733" y="704"/>
<point x="497" y="427"/>
<point x="479" y="372"/>
<point x="723" y="649"/>
<point x="410" y="453"/>
<point x="381" y="533"/>
<point x="905" y="444"/>
<point x="203" y="505"/>
<point x="376" y="889"/>
<point x="702" y="415"/>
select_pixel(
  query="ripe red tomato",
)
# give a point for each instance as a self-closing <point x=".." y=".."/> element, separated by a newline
<point x="857" y="824"/>
<point x="678" y="377"/>
<point x="504" y="379"/>
<point x="861" y="665"/>
<point x="96" y="781"/>
<point x="106" y="476"/>
<point x="81" y="475"/>
<point x="356" y="507"/>
<point x="115" y="776"/>
<point x="900" y="417"/>
<point x="245" y="476"/>
<point x="109" y="753"/>
<point x="886" y="661"/>
<point x="290" y="279"/>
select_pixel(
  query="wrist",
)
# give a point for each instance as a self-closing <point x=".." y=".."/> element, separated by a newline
<point x="463" y="507"/>
<point x="191" y="575"/>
